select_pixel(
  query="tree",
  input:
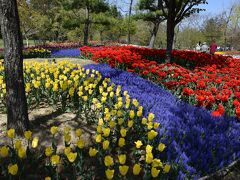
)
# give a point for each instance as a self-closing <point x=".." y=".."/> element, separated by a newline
<point x="90" y="7"/>
<point x="234" y="27"/>
<point x="17" y="112"/>
<point x="175" y="11"/>
<point x="104" y="21"/>
<point x="213" y="29"/>
<point x="150" y="12"/>
<point x="129" y="21"/>
<point x="28" y="19"/>
<point x="48" y="19"/>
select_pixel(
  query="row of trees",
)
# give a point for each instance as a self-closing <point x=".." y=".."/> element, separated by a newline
<point x="58" y="20"/>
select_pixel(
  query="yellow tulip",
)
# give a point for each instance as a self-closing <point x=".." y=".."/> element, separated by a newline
<point x="144" y="121"/>
<point x="18" y="144"/>
<point x="156" y="125"/>
<point x="28" y="134"/>
<point x="135" y="102"/>
<point x="152" y="134"/>
<point x="157" y="163"/>
<point x="112" y="124"/>
<point x="21" y="153"/>
<point x="92" y="152"/>
<point x="149" y="149"/>
<point x="119" y="113"/>
<point x="11" y="133"/>
<point x="35" y="142"/>
<point x="107" y="116"/>
<point x="166" y="168"/>
<point x="13" y="169"/>
<point x="121" y="142"/>
<point x="123" y="132"/>
<point x="67" y="138"/>
<point x="48" y="151"/>
<point x="80" y="143"/>
<point x="98" y="138"/>
<point x="28" y="87"/>
<point x="100" y="122"/>
<point x="123" y="170"/>
<point x="4" y="151"/>
<point x="120" y="121"/>
<point x="78" y="132"/>
<point x="139" y="113"/>
<point x="155" y="172"/>
<point x="149" y="158"/>
<point x="109" y="173"/>
<point x="138" y="144"/>
<point x="99" y="129"/>
<point x="72" y="157"/>
<point x="150" y="125"/>
<point x="122" y="158"/>
<point x="55" y="87"/>
<point x="151" y="116"/>
<point x="108" y="161"/>
<point x="67" y="150"/>
<point x="48" y="178"/>
<point x="161" y="147"/>
<point x="55" y="159"/>
<point x="131" y="114"/>
<point x="130" y="123"/>
<point x="106" y="144"/>
<point x="136" y="169"/>
<point x="54" y="130"/>
<point x="106" y="132"/>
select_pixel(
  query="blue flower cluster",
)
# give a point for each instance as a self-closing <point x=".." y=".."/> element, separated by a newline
<point x="197" y="141"/>
<point x="73" y="52"/>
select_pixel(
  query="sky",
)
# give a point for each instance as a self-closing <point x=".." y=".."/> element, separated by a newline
<point x="217" y="6"/>
<point x="213" y="7"/>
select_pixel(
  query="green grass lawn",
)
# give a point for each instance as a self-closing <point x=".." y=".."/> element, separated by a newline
<point x="31" y="43"/>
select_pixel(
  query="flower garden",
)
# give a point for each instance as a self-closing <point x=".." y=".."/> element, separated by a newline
<point x="152" y="119"/>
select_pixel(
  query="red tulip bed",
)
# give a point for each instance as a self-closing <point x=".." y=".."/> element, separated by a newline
<point x="198" y="78"/>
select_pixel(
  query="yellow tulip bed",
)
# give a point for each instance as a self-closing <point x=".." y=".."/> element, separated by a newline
<point x="126" y="144"/>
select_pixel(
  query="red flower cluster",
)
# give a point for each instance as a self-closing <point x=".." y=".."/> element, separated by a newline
<point x="213" y="82"/>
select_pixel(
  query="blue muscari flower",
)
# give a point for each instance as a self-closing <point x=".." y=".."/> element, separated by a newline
<point x="73" y="52"/>
<point x="199" y="142"/>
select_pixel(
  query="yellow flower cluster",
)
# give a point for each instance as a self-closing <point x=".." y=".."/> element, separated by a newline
<point x="125" y="141"/>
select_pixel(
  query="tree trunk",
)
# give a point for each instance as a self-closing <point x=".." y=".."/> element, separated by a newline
<point x="170" y="37"/>
<point x="17" y="112"/>
<point x="129" y="22"/>
<point x="86" y="27"/>
<point x="153" y="34"/>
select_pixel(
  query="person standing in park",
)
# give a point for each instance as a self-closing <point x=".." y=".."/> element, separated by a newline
<point x="213" y="47"/>
<point x="204" y="47"/>
<point x="198" y="46"/>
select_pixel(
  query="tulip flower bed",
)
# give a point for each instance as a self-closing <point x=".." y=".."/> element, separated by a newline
<point x="126" y="143"/>
<point x="199" y="142"/>
<point x="209" y="81"/>
<point x="35" y="52"/>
